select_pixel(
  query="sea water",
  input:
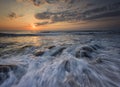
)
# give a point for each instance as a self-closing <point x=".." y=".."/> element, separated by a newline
<point x="80" y="59"/>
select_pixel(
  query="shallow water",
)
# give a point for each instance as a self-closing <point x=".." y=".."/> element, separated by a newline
<point x="67" y="60"/>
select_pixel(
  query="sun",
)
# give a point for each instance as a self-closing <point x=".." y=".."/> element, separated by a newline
<point x="33" y="26"/>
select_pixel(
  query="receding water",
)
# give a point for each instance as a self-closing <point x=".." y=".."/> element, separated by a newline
<point x="64" y="60"/>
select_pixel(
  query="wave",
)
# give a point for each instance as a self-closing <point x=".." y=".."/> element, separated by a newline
<point x="54" y="33"/>
<point x="89" y="65"/>
<point x="14" y="35"/>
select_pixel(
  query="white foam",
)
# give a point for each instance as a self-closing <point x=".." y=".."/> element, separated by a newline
<point x="66" y="70"/>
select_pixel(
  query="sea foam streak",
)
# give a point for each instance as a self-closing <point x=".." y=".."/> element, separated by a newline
<point x="94" y="64"/>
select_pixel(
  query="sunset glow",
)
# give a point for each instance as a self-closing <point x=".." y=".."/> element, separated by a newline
<point x="33" y="26"/>
<point x="59" y="43"/>
<point x="58" y="14"/>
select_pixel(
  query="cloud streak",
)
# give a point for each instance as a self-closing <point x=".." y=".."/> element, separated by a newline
<point x="105" y="11"/>
<point x="75" y="10"/>
<point x="41" y="2"/>
<point x="41" y="23"/>
<point x="13" y="15"/>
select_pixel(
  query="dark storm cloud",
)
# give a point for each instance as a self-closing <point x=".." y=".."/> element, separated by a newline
<point x="97" y="12"/>
<point x="14" y="15"/>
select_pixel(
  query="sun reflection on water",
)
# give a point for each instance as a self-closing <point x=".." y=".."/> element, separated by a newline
<point x="33" y="40"/>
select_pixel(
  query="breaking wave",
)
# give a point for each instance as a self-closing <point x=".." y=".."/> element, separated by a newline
<point x="94" y="63"/>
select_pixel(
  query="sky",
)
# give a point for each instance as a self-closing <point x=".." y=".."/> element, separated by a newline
<point x="47" y="15"/>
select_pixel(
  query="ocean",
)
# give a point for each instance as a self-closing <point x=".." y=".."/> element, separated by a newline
<point x="60" y="59"/>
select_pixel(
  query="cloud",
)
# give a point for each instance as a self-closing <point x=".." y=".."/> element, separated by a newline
<point x="41" y="23"/>
<point x="41" y="2"/>
<point x="38" y="2"/>
<point x="109" y="10"/>
<point x="75" y="15"/>
<point x="57" y="18"/>
<point x="65" y="16"/>
<point x="44" y="15"/>
<point x="53" y="1"/>
<point x="35" y="2"/>
<point x="52" y="16"/>
<point x="14" y="15"/>
<point x="73" y="10"/>
<point x="20" y="0"/>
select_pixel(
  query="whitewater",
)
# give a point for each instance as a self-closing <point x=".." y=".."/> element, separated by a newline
<point x="60" y="60"/>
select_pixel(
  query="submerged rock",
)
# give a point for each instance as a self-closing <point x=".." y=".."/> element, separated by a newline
<point x="67" y="71"/>
<point x="26" y="46"/>
<point x="85" y="51"/>
<point x="4" y="71"/>
<point x="50" y="47"/>
<point x="6" y="68"/>
<point x="84" y="54"/>
<point x="87" y="48"/>
<point x="63" y="67"/>
<point x="38" y="53"/>
<point x="54" y="51"/>
<point x="3" y="45"/>
<point x="9" y="73"/>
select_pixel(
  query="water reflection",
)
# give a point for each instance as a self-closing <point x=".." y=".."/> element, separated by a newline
<point x="29" y="44"/>
<point x="35" y="41"/>
<point x="10" y="46"/>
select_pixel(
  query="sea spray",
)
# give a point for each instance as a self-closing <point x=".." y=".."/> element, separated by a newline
<point x="90" y="60"/>
<point x="66" y="69"/>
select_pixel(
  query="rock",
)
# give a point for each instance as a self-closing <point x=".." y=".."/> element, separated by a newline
<point x="6" y="68"/>
<point x="54" y="51"/>
<point x="97" y="61"/>
<point x="3" y="45"/>
<point x="67" y="66"/>
<point x="3" y="77"/>
<point x="87" y="48"/>
<point x="26" y="46"/>
<point x="86" y="51"/>
<point x="95" y="46"/>
<point x="57" y="52"/>
<point x="50" y="47"/>
<point x="71" y="81"/>
<point x="39" y="53"/>
<point x="85" y="54"/>
<point x="4" y="71"/>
